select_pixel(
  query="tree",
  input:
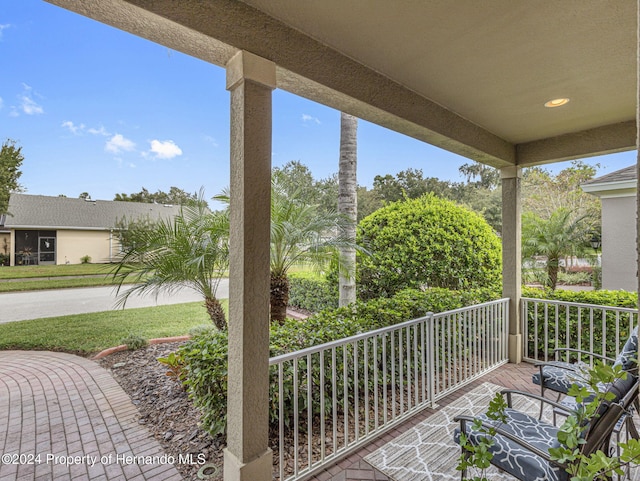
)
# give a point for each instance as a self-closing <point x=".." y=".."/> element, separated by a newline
<point x="301" y="234"/>
<point x="85" y="196"/>
<point x="409" y="184"/>
<point x="191" y="250"/>
<point x="556" y="238"/>
<point x="426" y="242"/>
<point x="348" y="204"/>
<point x="11" y="159"/>
<point x="175" y="196"/>
<point x="544" y="193"/>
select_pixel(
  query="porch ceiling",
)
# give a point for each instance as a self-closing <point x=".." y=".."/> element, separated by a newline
<point x="468" y="76"/>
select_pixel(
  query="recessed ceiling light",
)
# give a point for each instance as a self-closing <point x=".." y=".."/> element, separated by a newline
<point x="556" y="103"/>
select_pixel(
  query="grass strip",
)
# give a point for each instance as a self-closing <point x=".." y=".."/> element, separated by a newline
<point x="55" y="283"/>
<point x="26" y="272"/>
<point x="87" y="334"/>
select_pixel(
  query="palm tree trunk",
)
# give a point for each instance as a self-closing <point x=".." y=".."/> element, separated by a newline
<point x="279" y="297"/>
<point x="216" y="313"/>
<point x="348" y="203"/>
<point x="552" y="272"/>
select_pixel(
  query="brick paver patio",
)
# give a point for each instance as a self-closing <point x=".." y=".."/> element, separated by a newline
<point x="63" y="417"/>
<point x="354" y="468"/>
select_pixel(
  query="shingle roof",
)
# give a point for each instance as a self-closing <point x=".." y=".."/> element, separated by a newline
<point x="39" y="211"/>
<point x="622" y="175"/>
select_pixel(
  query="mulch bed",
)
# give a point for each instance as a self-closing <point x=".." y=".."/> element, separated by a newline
<point x="165" y="408"/>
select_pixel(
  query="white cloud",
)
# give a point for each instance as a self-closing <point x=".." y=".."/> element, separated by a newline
<point x="165" y="149"/>
<point x="309" y="118"/>
<point x="100" y="131"/>
<point x="1" y="103"/>
<point x="118" y="143"/>
<point x="211" y="140"/>
<point x="73" y="128"/>
<point x="30" y="106"/>
<point x="3" y="27"/>
<point x="27" y="104"/>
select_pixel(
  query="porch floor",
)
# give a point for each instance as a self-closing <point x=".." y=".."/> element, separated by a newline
<point x="354" y="468"/>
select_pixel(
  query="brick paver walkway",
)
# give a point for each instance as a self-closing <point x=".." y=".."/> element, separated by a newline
<point x="63" y="417"/>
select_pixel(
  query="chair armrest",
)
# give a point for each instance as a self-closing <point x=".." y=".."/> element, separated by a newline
<point x="463" y="419"/>
<point x="509" y="392"/>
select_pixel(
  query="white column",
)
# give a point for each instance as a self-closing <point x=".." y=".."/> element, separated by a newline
<point x="250" y="79"/>
<point x="511" y="255"/>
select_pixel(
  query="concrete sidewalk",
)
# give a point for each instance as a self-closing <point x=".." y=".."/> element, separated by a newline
<point x="63" y="417"/>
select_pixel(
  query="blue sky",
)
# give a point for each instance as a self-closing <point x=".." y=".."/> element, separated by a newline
<point x="101" y="111"/>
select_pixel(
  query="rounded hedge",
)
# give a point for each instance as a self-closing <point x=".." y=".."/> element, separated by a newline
<point x="426" y="242"/>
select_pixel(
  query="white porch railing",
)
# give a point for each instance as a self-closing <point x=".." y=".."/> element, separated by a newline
<point x="331" y="399"/>
<point x="548" y="325"/>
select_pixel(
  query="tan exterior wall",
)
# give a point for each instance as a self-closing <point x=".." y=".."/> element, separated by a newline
<point x="619" y="266"/>
<point x="101" y="246"/>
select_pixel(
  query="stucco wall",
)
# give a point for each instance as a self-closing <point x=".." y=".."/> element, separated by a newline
<point x="619" y="257"/>
<point x="73" y="245"/>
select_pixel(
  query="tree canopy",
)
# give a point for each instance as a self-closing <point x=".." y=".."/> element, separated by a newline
<point x="175" y="196"/>
<point x="11" y="159"/>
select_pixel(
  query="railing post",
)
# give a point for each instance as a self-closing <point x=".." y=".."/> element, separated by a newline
<point x="431" y="368"/>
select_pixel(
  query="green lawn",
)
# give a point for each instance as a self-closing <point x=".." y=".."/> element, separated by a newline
<point x="87" y="334"/>
<point x="25" y="272"/>
<point x="32" y="278"/>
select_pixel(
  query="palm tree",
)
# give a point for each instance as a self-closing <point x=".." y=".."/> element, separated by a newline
<point x="301" y="234"/>
<point x="192" y="250"/>
<point x="348" y="203"/>
<point x="562" y="235"/>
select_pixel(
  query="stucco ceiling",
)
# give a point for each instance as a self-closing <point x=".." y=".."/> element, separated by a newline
<point x="469" y="76"/>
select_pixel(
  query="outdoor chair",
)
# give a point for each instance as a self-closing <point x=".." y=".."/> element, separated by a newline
<point x="521" y="445"/>
<point x="558" y="376"/>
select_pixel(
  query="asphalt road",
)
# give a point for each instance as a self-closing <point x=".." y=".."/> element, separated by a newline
<point x="19" y="306"/>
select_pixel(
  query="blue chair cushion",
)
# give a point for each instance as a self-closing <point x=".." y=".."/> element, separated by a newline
<point x="559" y="376"/>
<point x="512" y="457"/>
<point x="628" y="357"/>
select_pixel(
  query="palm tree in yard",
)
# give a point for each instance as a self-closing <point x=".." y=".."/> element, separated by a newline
<point x="560" y="236"/>
<point x="190" y="250"/>
<point x="348" y="203"/>
<point x="301" y="234"/>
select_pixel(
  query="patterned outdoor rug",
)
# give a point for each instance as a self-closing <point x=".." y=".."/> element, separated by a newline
<point x="428" y="452"/>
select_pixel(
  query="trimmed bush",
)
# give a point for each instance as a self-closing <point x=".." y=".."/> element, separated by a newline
<point x="205" y="357"/>
<point x="426" y="242"/>
<point x="577" y="329"/>
<point x="312" y="294"/>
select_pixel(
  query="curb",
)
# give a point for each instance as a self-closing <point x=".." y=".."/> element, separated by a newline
<point x="123" y="347"/>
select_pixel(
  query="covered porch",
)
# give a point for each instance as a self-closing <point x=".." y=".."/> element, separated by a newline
<point x="510" y="85"/>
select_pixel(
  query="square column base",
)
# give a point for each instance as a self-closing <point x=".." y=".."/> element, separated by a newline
<point x="259" y="469"/>
<point x="515" y="348"/>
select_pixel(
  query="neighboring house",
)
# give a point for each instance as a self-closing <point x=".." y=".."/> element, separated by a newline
<point x="617" y="191"/>
<point x="60" y="230"/>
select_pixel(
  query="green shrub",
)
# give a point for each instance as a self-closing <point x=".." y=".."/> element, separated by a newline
<point x="205" y="356"/>
<point x="426" y="242"/>
<point x="582" y="327"/>
<point x="85" y="259"/>
<point x="574" y="278"/>
<point x="312" y="294"/>
<point x="134" y="341"/>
